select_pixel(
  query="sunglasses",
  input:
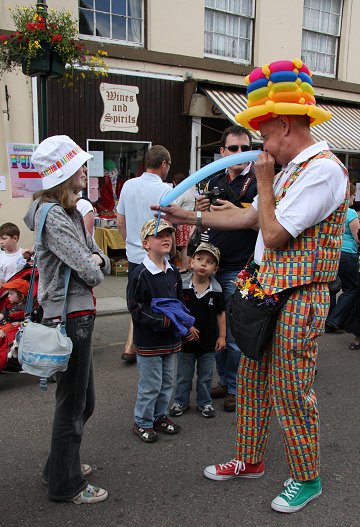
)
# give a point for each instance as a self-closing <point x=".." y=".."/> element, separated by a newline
<point x="235" y="148"/>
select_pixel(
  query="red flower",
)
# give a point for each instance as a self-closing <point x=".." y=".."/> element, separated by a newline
<point x="56" y="38"/>
<point x="31" y="26"/>
<point x="244" y="274"/>
<point x="3" y="37"/>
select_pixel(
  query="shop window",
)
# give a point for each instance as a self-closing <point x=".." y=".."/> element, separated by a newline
<point x="229" y="29"/>
<point x="113" y="163"/>
<point x="120" y="20"/>
<point x="321" y="35"/>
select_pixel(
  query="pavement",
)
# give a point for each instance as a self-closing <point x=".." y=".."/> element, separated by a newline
<point x="111" y="296"/>
<point x="162" y="484"/>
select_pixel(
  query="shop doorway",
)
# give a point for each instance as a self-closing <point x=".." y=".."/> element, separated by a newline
<point x="114" y="162"/>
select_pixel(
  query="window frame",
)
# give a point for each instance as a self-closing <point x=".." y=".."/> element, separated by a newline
<point x="335" y="36"/>
<point x="111" y="40"/>
<point x="246" y="61"/>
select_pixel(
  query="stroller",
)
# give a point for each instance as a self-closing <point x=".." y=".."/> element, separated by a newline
<point x="6" y="342"/>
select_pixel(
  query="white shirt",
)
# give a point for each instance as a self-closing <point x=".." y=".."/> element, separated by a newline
<point x="153" y="268"/>
<point x="136" y="197"/>
<point x="187" y="200"/>
<point x="10" y="264"/>
<point x="84" y="207"/>
<point x="317" y="192"/>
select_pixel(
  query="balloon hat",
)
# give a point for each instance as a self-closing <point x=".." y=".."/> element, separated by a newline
<point x="280" y="88"/>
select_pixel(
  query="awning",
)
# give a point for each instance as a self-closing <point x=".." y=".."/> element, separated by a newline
<point x="342" y="132"/>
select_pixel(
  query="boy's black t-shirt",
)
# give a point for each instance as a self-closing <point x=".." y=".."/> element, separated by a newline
<point x="205" y="310"/>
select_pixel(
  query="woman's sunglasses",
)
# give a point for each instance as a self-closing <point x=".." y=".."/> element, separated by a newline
<point x="235" y="148"/>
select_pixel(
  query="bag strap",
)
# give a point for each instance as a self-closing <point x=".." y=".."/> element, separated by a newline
<point x="234" y="197"/>
<point x="67" y="272"/>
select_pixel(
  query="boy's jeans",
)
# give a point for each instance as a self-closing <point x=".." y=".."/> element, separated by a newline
<point x="154" y="389"/>
<point x="75" y="401"/>
<point x="185" y="373"/>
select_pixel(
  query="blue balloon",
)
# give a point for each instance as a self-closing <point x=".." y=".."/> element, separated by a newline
<point x="208" y="170"/>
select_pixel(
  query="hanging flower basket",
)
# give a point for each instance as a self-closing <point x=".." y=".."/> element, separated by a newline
<point x="44" y="43"/>
<point x="57" y="65"/>
<point x="47" y="62"/>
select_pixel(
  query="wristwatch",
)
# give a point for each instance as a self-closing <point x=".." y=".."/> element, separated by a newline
<point x="198" y="218"/>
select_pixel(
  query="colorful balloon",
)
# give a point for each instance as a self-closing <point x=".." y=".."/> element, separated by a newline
<point x="208" y="170"/>
<point x="284" y="76"/>
<point x="260" y="83"/>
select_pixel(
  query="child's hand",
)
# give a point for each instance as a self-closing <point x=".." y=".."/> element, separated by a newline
<point x="195" y="333"/>
<point x="27" y="254"/>
<point x="220" y="344"/>
<point x="2" y="334"/>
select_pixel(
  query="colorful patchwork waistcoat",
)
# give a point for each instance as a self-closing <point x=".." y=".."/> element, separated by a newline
<point x="311" y="257"/>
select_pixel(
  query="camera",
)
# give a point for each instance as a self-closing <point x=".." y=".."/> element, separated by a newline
<point x="216" y="193"/>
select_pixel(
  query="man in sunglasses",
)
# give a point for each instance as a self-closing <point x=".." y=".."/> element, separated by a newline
<point x="237" y="185"/>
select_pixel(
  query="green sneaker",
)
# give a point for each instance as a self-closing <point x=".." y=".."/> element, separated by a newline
<point x="296" y="495"/>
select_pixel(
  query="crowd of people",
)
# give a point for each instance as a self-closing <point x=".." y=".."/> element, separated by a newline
<point x="248" y="213"/>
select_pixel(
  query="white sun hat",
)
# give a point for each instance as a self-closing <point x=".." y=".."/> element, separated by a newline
<point x="57" y="158"/>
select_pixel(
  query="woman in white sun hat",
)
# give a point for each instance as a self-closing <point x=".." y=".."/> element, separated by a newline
<point x="65" y="242"/>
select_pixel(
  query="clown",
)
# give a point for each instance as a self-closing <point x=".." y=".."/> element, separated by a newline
<point x="300" y="214"/>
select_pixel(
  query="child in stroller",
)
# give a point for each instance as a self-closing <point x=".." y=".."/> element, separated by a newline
<point x="12" y="312"/>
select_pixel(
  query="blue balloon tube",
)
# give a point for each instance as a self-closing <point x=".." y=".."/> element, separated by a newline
<point x="208" y="170"/>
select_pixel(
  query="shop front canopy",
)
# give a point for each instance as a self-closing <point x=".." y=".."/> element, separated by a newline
<point x="342" y="132"/>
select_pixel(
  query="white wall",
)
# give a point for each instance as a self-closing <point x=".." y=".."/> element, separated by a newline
<point x="19" y="129"/>
<point x="349" y="57"/>
<point x="278" y="27"/>
<point x="176" y="26"/>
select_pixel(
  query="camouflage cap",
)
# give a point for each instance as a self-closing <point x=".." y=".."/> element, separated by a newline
<point x="149" y="228"/>
<point x="210" y="248"/>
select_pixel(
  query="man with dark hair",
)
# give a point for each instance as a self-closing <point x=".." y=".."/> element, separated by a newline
<point x="238" y="185"/>
<point x="133" y="210"/>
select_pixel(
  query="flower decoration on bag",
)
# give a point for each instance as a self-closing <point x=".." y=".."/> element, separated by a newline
<point x="250" y="287"/>
<point x="37" y="32"/>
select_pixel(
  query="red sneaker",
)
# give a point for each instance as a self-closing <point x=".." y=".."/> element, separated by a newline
<point x="234" y="469"/>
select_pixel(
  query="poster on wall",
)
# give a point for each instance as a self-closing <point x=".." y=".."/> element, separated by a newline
<point x="95" y="165"/>
<point x="24" y="179"/>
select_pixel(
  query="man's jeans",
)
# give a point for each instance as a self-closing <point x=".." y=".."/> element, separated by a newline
<point x="227" y="360"/>
<point x="154" y="389"/>
<point x="349" y="276"/>
<point x="185" y="373"/>
<point x="75" y="401"/>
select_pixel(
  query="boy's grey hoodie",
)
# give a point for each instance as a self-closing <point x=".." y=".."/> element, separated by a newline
<point x="64" y="240"/>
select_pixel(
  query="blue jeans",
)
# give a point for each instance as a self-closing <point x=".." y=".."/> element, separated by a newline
<point x="154" y="388"/>
<point x="227" y="360"/>
<point x="75" y="402"/>
<point x="349" y="276"/>
<point x="185" y="373"/>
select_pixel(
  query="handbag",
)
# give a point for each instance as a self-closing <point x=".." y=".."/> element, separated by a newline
<point x="43" y="350"/>
<point x="253" y="321"/>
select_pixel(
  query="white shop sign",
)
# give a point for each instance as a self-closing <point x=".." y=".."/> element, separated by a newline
<point x="121" y="109"/>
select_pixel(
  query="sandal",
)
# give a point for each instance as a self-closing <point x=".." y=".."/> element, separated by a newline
<point x="354" y="346"/>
